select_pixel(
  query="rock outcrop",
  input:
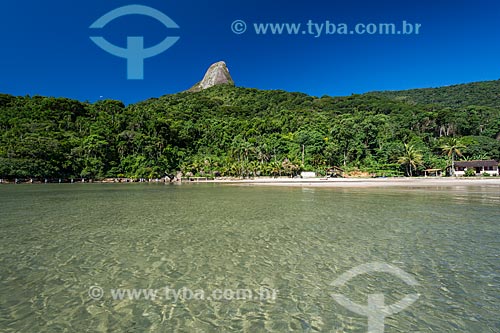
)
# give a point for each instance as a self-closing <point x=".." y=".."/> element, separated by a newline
<point x="217" y="74"/>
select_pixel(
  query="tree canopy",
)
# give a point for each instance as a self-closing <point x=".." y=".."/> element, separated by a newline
<point x="234" y="131"/>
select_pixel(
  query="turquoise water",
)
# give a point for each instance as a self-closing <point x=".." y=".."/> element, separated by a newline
<point x="58" y="241"/>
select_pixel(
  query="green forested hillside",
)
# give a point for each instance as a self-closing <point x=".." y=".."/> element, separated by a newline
<point x="485" y="93"/>
<point x="243" y="132"/>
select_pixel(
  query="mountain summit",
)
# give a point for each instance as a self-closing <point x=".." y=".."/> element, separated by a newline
<point x="217" y="74"/>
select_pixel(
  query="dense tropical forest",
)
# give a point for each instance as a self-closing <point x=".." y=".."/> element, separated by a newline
<point x="230" y="131"/>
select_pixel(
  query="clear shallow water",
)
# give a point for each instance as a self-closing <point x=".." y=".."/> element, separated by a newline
<point x="57" y="241"/>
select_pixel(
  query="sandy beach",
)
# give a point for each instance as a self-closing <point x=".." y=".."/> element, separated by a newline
<point x="360" y="182"/>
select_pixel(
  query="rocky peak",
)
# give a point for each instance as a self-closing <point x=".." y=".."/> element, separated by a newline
<point x="217" y="74"/>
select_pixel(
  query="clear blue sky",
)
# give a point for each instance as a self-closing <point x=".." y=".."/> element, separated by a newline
<point x="46" y="49"/>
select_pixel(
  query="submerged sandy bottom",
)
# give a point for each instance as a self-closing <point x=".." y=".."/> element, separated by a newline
<point x="60" y="242"/>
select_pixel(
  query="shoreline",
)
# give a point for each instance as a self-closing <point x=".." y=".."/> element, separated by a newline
<point x="319" y="182"/>
<point x="362" y="182"/>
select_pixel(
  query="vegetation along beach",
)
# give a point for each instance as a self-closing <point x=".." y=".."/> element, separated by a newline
<point x="226" y="131"/>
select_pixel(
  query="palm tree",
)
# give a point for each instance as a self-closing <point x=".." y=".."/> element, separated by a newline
<point x="291" y="167"/>
<point x="275" y="168"/>
<point x="255" y="167"/>
<point x="452" y="148"/>
<point x="411" y="158"/>
<point x="235" y="169"/>
<point x="476" y="157"/>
